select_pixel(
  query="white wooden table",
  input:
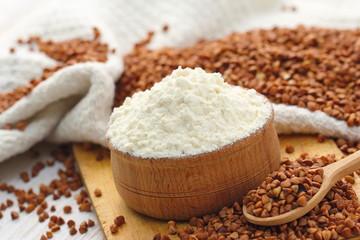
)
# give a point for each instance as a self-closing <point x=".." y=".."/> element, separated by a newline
<point x="27" y="227"/>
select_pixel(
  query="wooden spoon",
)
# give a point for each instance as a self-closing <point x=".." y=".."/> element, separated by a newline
<point x="332" y="173"/>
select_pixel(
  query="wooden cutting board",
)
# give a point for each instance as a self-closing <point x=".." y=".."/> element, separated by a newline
<point x="98" y="174"/>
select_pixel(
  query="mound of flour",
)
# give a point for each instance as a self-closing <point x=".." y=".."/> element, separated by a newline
<point x="187" y="113"/>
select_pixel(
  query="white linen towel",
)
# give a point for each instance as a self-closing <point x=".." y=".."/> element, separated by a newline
<point x="75" y="103"/>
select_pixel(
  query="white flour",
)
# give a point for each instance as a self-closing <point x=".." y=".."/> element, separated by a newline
<point x="187" y="113"/>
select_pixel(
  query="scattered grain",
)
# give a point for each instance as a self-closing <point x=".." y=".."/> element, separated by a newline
<point x="14" y="215"/>
<point x="90" y="223"/>
<point x="66" y="53"/>
<point x="25" y="177"/>
<point x="72" y="230"/>
<point x="67" y="209"/>
<point x="9" y="202"/>
<point x="119" y="220"/>
<point x="55" y="228"/>
<point x="49" y="234"/>
<point x="314" y="68"/>
<point x="165" y="28"/>
<point x="83" y="227"/>
<point x="97" y="192"/>
<point x="114" y="228"/>
<point x="289" y="148"/>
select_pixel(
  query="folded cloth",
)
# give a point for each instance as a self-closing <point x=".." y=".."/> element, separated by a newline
<point x="74" y="104"/>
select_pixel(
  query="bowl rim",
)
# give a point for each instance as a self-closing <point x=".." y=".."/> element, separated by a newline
<point x="196" y="159"/>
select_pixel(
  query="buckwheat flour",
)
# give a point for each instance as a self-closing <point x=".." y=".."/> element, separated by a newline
<point x="187" y="113"/>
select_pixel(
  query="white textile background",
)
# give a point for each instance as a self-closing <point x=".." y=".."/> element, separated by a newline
<point x="75" y="103"/>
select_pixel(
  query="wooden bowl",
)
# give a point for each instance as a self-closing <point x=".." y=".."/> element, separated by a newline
<point x="180" y="188"/>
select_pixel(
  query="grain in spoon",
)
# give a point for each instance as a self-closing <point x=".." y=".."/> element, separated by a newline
<point x="332" y="173"/>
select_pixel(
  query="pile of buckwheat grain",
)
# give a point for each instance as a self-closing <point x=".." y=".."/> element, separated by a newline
<point x="314" y="68"/>
<point x="336" y="216"/>
<point x="290" y="187"/>
<point x="66" y="53"/>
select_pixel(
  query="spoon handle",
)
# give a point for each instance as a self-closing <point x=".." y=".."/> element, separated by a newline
<point x="339" y="169"/>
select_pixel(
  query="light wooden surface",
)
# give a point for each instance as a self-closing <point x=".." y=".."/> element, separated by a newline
<point x="98" y="174"/>
<point x="172" y="188"/>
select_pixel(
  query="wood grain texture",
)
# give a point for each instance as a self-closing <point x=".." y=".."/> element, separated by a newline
<point x="98" y="174"/>
<point x="173" y="188"/>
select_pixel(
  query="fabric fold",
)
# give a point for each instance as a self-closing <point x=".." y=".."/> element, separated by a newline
<point x="75" y="103"/>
